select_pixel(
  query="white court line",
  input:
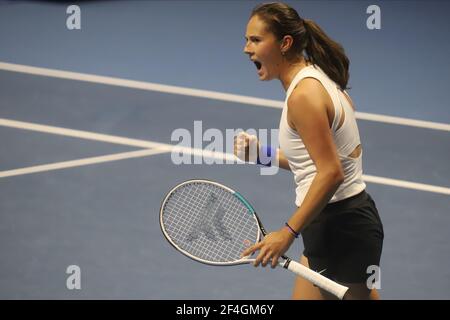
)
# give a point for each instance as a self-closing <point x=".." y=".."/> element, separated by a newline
<point x="162" y="147"/>
<point x="406" y="184"/>
<point x="203" y="94"/>
<point x="83" y="134"/>
<point x="80" y="162"/>
<point x="115" y="139"/>
<point x="138" y="85"/>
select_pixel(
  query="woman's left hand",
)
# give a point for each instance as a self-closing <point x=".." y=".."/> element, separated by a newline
<point x="271" y="248"/>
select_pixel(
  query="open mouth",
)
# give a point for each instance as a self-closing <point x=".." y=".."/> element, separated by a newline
<point x="257" y="64"/>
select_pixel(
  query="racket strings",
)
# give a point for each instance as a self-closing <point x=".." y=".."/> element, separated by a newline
<point x="209" y="222"/>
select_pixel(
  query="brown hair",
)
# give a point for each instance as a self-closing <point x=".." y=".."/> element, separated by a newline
<point x="308" y="37"/>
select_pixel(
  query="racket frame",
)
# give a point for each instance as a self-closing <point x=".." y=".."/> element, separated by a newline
<point x="244" y="260"/>
<point x="286" y="262"/>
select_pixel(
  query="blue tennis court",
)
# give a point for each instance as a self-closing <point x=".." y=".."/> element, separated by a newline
<point x="87" y="116"/>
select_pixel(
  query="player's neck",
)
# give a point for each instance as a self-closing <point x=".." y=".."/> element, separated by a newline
<point x="290" y="70"/>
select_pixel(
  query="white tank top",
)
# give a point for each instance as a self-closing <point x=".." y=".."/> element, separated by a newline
<point x="346" y="139"/>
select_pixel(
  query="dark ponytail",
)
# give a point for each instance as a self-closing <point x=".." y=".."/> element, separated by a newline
<point x="309" y="39"/>
<point x="326" y="53"/>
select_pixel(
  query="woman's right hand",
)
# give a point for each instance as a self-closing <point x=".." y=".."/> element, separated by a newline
<point x="246" y="147"/>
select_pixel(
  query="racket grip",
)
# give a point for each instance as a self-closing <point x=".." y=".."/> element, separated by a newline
<point x="316" y="278"/>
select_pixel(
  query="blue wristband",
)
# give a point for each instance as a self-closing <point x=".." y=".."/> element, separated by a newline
<point x="268" y="155"/>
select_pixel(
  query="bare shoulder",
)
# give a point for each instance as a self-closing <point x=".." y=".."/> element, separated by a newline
<point x="308" y="96"/>
<point x="309" y="93"/>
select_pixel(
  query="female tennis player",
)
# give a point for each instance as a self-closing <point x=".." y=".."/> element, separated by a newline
<point x="320" y="143"/>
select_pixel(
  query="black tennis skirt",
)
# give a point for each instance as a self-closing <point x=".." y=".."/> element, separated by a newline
<point x="345" y="239"/>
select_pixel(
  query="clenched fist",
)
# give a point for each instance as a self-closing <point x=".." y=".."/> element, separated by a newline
<point x="246" y="147"/>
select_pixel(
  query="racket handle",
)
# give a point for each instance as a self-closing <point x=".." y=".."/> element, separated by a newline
<point x="316" y="278"/>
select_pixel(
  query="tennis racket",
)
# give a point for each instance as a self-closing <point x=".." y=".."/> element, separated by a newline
<point x="213" y="224"/>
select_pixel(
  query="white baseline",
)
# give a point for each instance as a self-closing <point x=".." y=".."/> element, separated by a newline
<point x="156" y="148"/>
<point x="203" y="93"/>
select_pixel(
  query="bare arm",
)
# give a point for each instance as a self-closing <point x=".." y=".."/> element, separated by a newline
<point x="242" y="144"/>
<point x="282" y="161"/>
<point x="308" y="113"/>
